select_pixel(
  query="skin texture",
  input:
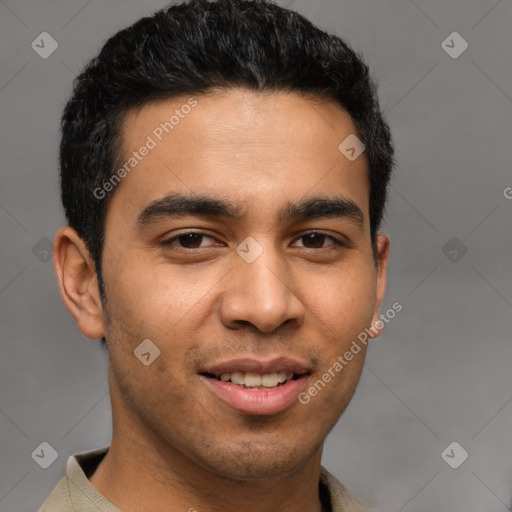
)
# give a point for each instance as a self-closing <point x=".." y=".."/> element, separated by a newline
<point x="175" y="445"/>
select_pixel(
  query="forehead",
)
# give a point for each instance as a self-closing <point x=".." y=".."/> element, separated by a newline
<point x="261" y="150"/>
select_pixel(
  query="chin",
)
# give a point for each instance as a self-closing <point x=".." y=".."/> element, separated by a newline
<point x="252" y="461"/>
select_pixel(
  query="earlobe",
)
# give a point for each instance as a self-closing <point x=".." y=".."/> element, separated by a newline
<point x="383" y="255"/>
<point x="78" y="282"/>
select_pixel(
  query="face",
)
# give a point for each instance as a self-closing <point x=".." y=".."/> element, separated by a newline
<point x="240" y="246"/>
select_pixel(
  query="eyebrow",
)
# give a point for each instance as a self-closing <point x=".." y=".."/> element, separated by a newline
<point x="180" y="205"/>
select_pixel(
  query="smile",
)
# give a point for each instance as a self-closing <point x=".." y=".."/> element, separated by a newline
<point x="257" y="388"/>
<point x="250" y="380"/>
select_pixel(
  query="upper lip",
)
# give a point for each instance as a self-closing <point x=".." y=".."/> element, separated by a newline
<point x="280" y="364"/>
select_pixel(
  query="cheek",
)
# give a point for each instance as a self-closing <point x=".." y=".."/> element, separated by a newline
<point x="148" y="299"/>
<point x="342" y="307"/>
<point x="344" y="300"/>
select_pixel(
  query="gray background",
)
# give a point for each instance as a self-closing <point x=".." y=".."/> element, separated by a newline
<point x="442" y="370"/>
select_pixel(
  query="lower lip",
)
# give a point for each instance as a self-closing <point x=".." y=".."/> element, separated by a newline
<point x="257" y="401"/>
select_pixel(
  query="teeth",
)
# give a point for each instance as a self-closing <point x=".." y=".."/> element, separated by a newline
<point x="238" y="378"/>
<point x="252" y="380"/>
<point x="255" y="380"/>
<point x="269" y="381"/>
<point x="282" y="376"/>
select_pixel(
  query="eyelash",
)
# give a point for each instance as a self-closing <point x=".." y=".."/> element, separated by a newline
<point x="169" y="242"/>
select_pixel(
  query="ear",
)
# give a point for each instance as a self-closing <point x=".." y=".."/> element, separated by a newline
<point x="382" y="271"/>
<point x="78" y="283"/>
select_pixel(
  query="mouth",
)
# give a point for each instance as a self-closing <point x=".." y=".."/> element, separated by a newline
<point x="255" y="387"/>
<point x="251" y="380"/>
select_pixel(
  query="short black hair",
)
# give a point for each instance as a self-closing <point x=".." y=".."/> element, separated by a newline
<point x="191" y="48"/>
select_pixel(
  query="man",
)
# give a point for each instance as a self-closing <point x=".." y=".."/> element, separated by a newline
<point x="224" y="168"/>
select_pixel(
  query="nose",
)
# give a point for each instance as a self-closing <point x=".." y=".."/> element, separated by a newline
<point x="262" y="294"/>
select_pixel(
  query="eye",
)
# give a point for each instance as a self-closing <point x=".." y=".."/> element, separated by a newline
<point x="191" y="240"/>
<point x="197" y="240"/>
<point x="316" y="240"/>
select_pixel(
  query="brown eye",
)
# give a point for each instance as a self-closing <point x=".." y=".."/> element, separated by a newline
<point x="313" y="240"/>
<point x="316" y="240"/>
<point x="190" y="240"/>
